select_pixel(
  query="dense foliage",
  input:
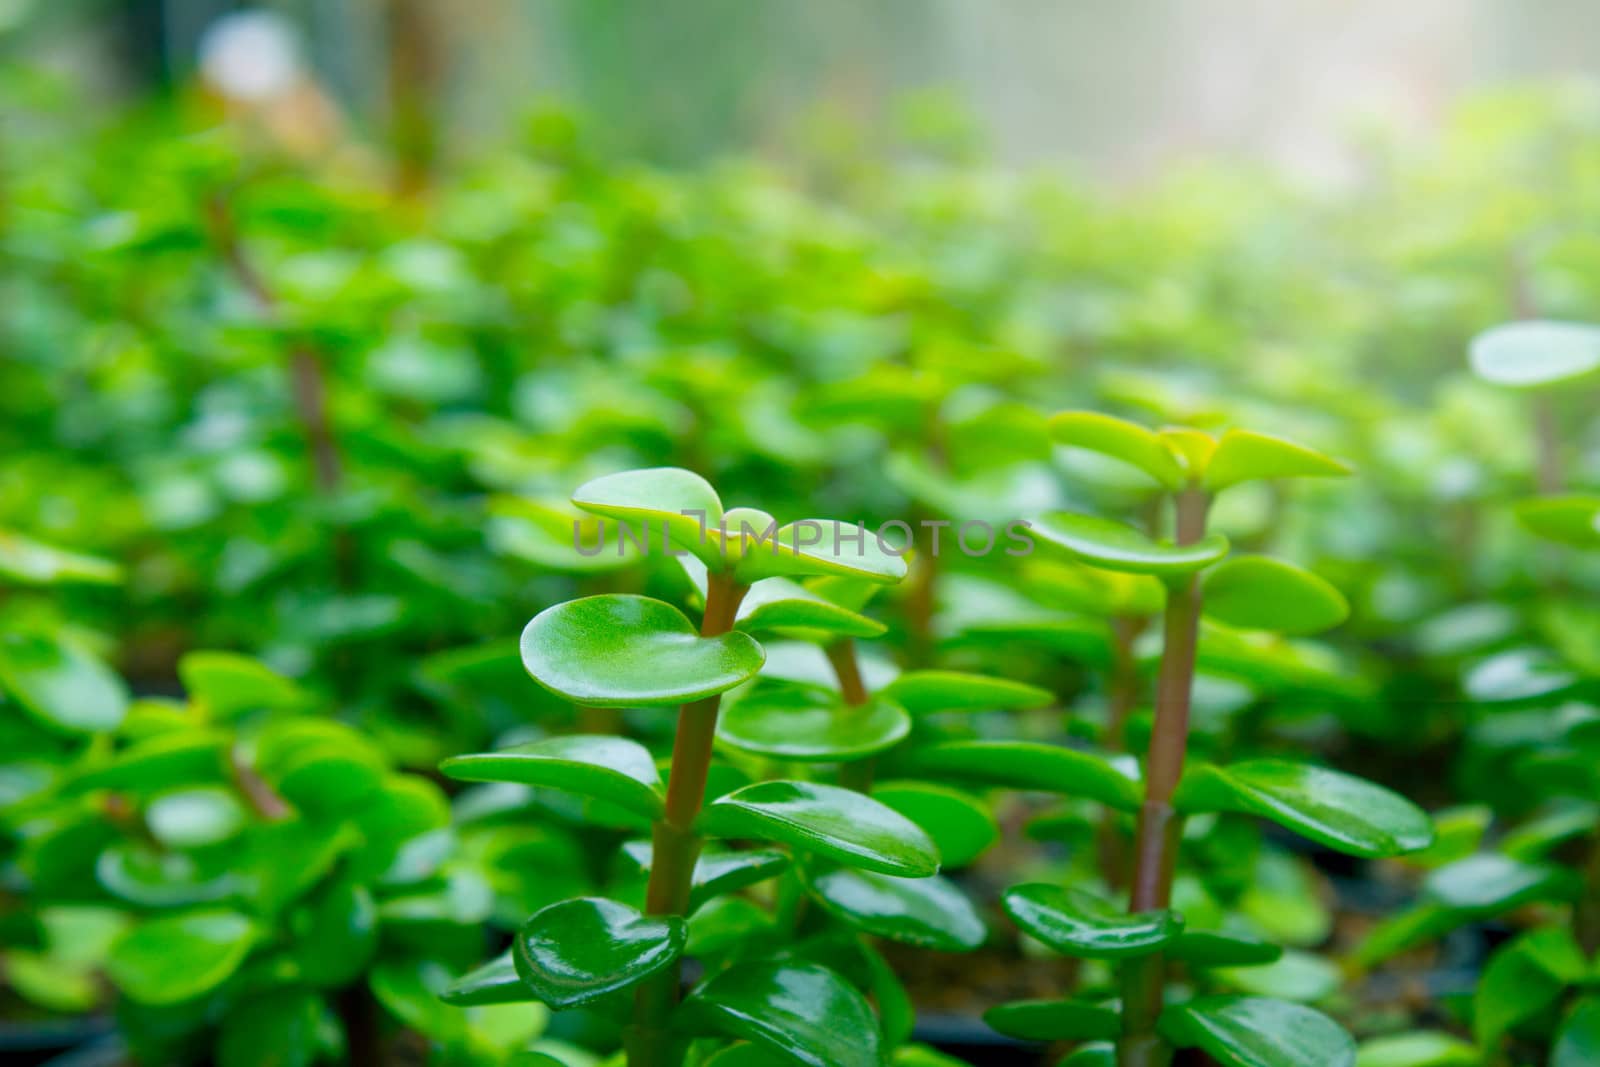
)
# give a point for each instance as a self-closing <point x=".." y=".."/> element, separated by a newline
<point x="1278" y="720"/>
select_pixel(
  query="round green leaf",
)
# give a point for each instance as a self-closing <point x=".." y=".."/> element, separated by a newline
<point x="837" y="823"/>
<point x="1258" y="593"/>
<point x="632" y="650"/>
<point x="1337" y="810"/>
<point x="929" y="691"/>
<point x="190" y="818"/>
<point x="1517" y="674"/>
<point x="1571" y="520"/>
<point x="1074" y="923"/>
<point x="658" y="499"/>
<point x="1258" y="1032"/>
<point x="496" y="982"/>
<point x="810" y="724"/>
<point x="612" y="769"/>
<point x="24" y="561"/>
<point x="60" y="684"/>
<point x="1534" y="353"/>
<point x="179" y="957"/>
<point x="781" y="604"/>
<point x="1026" y="765"/>
<point x="961" y="825"/>
<point x="800" y="1010"/>
<point x="926" y="912"/>
<point x="227" y="684"/>
<point x="1302" y="977"/>
<point x="1119" y="547"/>
<point x="578" y="951"/>
<point x="1243" y="455"/>
<point x="1098" y="1054"/>
<point x="1119" y="439"/>
<point x="820" y="548"/>
<point x="1055" y="1020"/>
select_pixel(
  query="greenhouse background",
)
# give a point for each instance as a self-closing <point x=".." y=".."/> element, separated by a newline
<point x="607" y="534"/>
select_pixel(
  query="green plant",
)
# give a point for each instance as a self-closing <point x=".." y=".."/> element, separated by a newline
<point x="1148" y="939"/>
<point x="632" y="651"/>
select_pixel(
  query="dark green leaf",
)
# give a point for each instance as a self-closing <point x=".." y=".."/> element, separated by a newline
<point x="799" y="1010"/>
<point x="1026" y="766"/>
<point x="811" y="724"/>
<point x="1055" y="1020"/>
<point x="612" y="769"/>
<point x="581" y="950"/>
<point x="179" y="957"/>
<point x="1075" y="923"/>
<point x="926" y="912"/>
<point x="960" y="825"/>
<point x="837" y="823"/>
<point x="1258" y="1032"/>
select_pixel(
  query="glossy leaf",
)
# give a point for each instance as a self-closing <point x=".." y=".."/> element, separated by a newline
<point x="1077" y="924"/>
<point x="1258" y="1032"/>
<point x="1534" y="354"/>
<point x="1335" y="809"/>
<point x="719" y="871"/>
<point x="836" y="823"/>
<point x="496" y="982"/>
<point x="811" y="724"/>
<point x="632" y="650"/>
<point x="192" y="818"/>
<point x="1119" y="439"/>
<point x="1209" y="948"/>
<point x="821" y="548"/>
<point x="1258" y="593"/>
<point x="659" y="499"/>
<point x="961" y="825"/>
<point x="1303" y="977"/>
<point x="925" y="912"/>
<point x="1118" y="547"/>
<point x="61" y="685"/>
<point x="1096" y="1054"/>
<point x="779" y="604"/>
<point x="1243" y="455"/>
<point x="925" y="691"/>
<point x="1489" y="883"/>
<point x="175" y="958"/>
<point x="1055" y="1020"/>
<point x="1024" y="765"/>
<point x="802" y="1011"/>
<point x="612" y="769"/>
<point x="578" y="951"/>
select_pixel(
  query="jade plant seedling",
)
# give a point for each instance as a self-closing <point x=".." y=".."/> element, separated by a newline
<point x="634" y="651"/>
<point x="1147" y="939"/>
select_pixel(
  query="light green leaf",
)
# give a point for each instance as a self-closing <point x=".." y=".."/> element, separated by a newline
<point x="496" y="982"/>
<point x="925" y="912"/>
<point x="820" y="548"/>
<point x="1243" y="455"/>
<point x="719" y="871"/>
<point x="1259" y="593"/>
<point x="1028" y="766"/>
<point x="1419" y="1049"/>
<point x="632" y="650"/>
<point x="24" y="561"/>
<point x="1119" y="439"/>
<point x="811" y="724"/>
<point x="1535" y="353"/>
<point x="1578" y="1042"/>
<point x="837" y="823"/>
<point x="175" y="958"/>
<point x="961" y="825"/>
<point x="60" y="684"/>
<point x="1570" y="520"/>
<point x="802" y="1011"/>
<point x="612" y="769"/>
<point x="925" y="691"/>
<point x="658" y="499"/>
<point x="1078" y="924"/>
<point x="1335" y="809"/>
<point x="1258" y="1032"/>
<point x="1119" y="547"/>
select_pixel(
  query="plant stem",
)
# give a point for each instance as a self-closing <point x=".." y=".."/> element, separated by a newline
<point x="1122" y="697"/>
<point x="857" y="774"/>
<point x="676" y="846"/>
<point x="1156" y="846"/>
